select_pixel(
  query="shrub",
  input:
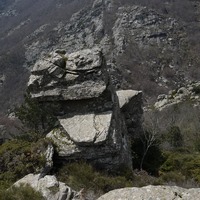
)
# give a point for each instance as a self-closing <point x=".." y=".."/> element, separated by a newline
<point x="173" y="176"/>
<point x="175" y="137"/>
<point x="18" y="158"/>
<point x="182" y="165"/>
<point x="82" y="175"/>
<point x="20" y="193"/>
<point x="36" y="116"/>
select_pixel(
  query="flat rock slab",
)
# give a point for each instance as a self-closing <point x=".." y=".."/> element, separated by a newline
<point x="84" y="60"/>
<point x="89" y="128"/>
<point x="125" y="96"/>
<point x="153" y="193"/>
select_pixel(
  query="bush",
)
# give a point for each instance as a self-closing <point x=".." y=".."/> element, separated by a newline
<point x="175" y="137"/>
<point x="182" y="165"/>
<point x="20" y="193"/>
<point x="37" y="117"/>
<point x="173" y="176"/>
<point x="82" y="175"/>
<point x="18" y="158"/>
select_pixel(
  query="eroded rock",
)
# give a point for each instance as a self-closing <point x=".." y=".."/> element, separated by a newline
<point x="79" y="75"/>
<point x="153" y="192"/>
<point x="95" y="122"/>
<point x="89" y="128"/>
<point x="48" y="186"/>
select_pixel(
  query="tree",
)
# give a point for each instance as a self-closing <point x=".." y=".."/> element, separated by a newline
<point x="149" y="139"/>
<point x="146" y="148"/>
<point x="36" y="116"/>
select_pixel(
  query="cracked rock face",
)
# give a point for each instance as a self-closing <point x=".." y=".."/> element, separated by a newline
<point x="93" y="117"/>
<point x="58" y="76"/>
<point x="89" y="128"/>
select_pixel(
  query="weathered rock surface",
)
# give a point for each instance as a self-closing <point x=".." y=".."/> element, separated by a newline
<point x="49" y="160"/>
<point x="48" y="186"/>
<point x="89" y="128"/>
<point x="94" y="122"/>
<point x="133" y="25"/>
<point x="79" y="75"/>
<point x="153" y="192"/>
<point x="131" y="107"/>
<point x="189" y="93"/>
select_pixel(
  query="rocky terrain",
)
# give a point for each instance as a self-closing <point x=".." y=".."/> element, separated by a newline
<point x="89" y="68"/>
<point x="153" y="42"/>
<point x="90" y="125"/>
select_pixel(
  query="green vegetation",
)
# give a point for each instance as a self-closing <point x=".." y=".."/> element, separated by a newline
<point x="20" y="193"/>
<point x="82" y="175"/>
<point x="37" y="117"/>
<point x="180" y="166"/>
<point x="152" y="160"/>
<point x="19" y="158"/>
<point x="175" y="137"/>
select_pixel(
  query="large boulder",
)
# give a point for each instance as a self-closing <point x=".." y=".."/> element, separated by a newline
<point x="59" y="76"/>
<point x="94" y="122"/>
<point x="48" y="186"/>
<point x="153" y="192"/>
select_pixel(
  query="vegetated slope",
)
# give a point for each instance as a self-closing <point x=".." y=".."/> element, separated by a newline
<point x="153" y="48"/>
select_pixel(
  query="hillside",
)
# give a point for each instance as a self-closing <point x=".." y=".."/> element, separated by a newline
<point x="98" y="95"/>
<point x="153" y="48"/>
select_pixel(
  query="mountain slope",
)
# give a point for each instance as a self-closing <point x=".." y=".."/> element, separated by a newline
<point x="152" y="48"/>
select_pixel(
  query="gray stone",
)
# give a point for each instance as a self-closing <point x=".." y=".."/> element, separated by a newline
<point x="88" y="128"/>
<point x="125" y="96"/>
<point x="66" y="147"/>
<point x="183" y="91"/>
<point x="94" y="118"/>
<point x="85" y="60"/>
<point x="48" y="186"/>
<point x="161" y="97"/>
<point x="130" y="103"/>
<point x="49" y="160"/>
<point x="79" y="75"/>
<point x="152" y="193"/>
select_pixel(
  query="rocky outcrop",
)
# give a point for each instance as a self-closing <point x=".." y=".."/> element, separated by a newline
<point x="153" y="192"/>
<point x="130" y="25"/>
<point x="69" y="77"/>
<point x="152" y="40"/>
<point x="94" y="122"/>
<point x="131" y="106"/>
<point x="190" y="93"/>
<point x="48" y="186"/>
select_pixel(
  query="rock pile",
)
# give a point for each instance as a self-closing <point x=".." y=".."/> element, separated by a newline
<point x="191" y="93"/>
<point x="95" y="122"/>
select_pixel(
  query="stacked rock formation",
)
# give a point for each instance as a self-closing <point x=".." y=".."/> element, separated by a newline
<point x="92" y="117"/>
